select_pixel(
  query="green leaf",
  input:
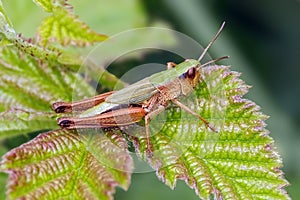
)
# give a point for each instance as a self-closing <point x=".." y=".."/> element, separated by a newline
<point x="40" y="82"/>
<point x="28" y="87"/>
<point x="130" y="15"/>
<point x="237" y="162"/>
<point x="47" y="5"/>
<point x="54" y="55"/>
<point x="50" y="5"/>
<point x="62" y="26"/>
<point x="58" y="165"/>
<point x="65" y="28"/>
<point x="16" y="122"/>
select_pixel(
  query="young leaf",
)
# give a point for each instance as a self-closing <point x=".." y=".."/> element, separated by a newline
<point x="47" y="5"/>
<point x="236" y="162"/>
<point x="29" y="47"/>
<point x="65" y="28"/>
<point x="50" y="5"/>
<point x="58" y="165"/>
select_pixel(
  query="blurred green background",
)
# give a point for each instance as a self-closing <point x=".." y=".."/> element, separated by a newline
<point x="262" y="38"/>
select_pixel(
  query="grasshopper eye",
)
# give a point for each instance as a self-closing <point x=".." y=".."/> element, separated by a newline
<point x="191" y="73"/>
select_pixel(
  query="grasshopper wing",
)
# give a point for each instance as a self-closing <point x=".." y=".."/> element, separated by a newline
<point x="147" y="87"/>
<point x="133" y="94"/>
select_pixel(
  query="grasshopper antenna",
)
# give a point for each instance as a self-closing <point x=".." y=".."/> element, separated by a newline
<point x="212" y="41"/>
<point x="215" y="60"/>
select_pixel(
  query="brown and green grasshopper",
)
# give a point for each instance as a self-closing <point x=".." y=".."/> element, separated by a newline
<point x="143" y="99"/>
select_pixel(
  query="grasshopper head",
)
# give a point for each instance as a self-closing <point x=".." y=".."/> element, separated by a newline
<point x="190" y="79"/>
<point x="193" y="76"/>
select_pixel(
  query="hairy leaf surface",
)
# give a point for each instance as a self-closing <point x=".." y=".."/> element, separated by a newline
<point x="28" y="87"/>
<point x="238" y="161"/>
<point x="58" y="165"/>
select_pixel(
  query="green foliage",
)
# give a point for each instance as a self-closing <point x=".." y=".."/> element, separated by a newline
<point x="64" y="27"/>
<point x="236" y="162"/>
<point x="27" y="89"/>
<point x="48" y="5"/>
<point x="57" y="165"/>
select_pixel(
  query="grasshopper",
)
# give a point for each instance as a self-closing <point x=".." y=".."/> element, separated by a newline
<point x="143" y="99"/>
